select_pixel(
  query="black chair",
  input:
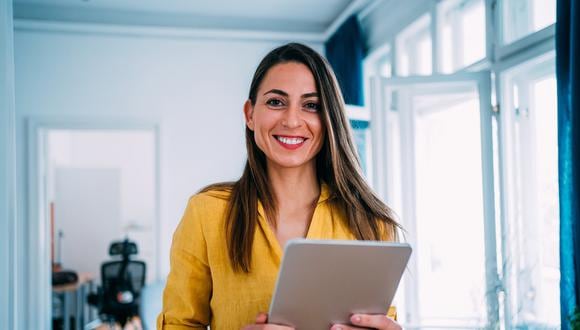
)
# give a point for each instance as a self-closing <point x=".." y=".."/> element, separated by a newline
<point x="122" y="281"/>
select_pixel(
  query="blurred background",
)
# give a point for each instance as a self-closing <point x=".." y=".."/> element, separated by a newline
<point x="124" y="109"/>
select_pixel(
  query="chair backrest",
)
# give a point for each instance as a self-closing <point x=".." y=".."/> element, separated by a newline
<point x="123" y="274"/>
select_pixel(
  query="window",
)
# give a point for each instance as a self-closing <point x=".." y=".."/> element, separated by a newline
<point x="532" y="224"/>
<point x="461" y="33"/>
<point x="413" y="48"/>
<point x="435" y="157"/>
<point x="523" y="17"/>
<point x="361" y="138"/>
<point x="468" y="161"/>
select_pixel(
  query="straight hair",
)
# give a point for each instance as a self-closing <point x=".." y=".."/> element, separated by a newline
<point x="337" y="165"/>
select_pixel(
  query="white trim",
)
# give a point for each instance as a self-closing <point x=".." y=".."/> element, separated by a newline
<point x="39" y="312"/>
<point x="515" y="48"/>
<point x="8" y="273"/>
<point x="378" y="134"/>
<point x="355" y="112"/>
<point x="162" y="32"/>
<point x="543" y="47"/>
<point x="491" y="272"/>
<point x="38" y="239"/>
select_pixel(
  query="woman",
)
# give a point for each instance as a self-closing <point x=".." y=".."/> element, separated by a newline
<point x="302" y="179"/>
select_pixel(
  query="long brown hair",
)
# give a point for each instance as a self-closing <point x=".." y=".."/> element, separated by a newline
<point x="337" y="165"/>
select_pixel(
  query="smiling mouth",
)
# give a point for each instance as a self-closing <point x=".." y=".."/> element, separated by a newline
<point x="290" y="142"/>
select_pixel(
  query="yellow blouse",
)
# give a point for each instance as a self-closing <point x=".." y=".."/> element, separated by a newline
<point x="202" y="289"/>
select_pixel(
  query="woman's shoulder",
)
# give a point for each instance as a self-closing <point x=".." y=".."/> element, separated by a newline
<point x="206" y="209"/>
<point x="218" y="191"/>
<point x="214" y="194"/>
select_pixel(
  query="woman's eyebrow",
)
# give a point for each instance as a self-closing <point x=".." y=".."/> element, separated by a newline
<point x="283" y="93"/>
<point x="307" y="95"/>
<point x="277" y="91"/>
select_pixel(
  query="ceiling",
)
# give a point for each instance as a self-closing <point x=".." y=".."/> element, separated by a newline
<point x="287" y="16"/>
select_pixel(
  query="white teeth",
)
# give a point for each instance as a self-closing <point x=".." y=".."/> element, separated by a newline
<point x="286" y="140"/>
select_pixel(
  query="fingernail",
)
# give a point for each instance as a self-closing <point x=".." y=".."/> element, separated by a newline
<point x="356" y="318"/>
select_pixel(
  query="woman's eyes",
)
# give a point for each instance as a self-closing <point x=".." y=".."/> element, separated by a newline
<point x="275" y="102"/>
<point x="310" y="106"/>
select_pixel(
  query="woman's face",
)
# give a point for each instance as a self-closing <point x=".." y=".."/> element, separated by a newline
<point x="286" y="117"/>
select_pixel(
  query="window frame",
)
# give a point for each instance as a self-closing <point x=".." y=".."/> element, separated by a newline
<point x="499" y="59"/>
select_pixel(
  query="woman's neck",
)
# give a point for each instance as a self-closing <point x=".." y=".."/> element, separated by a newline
<point x="294" y="187"/>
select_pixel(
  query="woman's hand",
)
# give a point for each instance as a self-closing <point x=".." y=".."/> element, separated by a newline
<point x="261" y="323"/>
<point x="365" y="321"/>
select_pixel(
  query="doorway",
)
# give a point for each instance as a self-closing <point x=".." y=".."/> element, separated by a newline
<point x="90" y="186"/>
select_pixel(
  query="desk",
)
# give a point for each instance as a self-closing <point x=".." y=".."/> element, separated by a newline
<point x="79" y="290"/>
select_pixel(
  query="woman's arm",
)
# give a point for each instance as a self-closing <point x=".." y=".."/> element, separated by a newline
<point x="187" y="293"/>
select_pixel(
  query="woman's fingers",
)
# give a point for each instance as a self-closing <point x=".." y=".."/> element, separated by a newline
<point x="344" y="327"/>
<point x="362" y="321"/>
<point x="261" y="318"/>
<point x="375" y="321"/>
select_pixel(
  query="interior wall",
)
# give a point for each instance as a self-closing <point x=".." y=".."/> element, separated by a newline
<point x="194" y="89"/>
<point x="80" y="162"/>
<point x="8" y="303"/>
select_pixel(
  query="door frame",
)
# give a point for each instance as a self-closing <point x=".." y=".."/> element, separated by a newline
<point x="38" y="234"/>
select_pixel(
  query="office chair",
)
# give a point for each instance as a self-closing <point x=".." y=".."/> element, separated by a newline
<point x="118" y="298"/>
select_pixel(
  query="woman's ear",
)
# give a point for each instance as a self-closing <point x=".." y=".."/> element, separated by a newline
<point x="248" y="114"/>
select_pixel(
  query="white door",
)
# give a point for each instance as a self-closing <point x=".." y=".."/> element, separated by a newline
<point x="433" y="164"/>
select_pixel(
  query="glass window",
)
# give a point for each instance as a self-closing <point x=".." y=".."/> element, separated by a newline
<point x="461" y="33"/>
<point x="414" y="50"/>
<point x="385" y="67"/>
<point x="439" y="151"/>
<point x="533" y="217"/>
<point x="360" y="129"/>
<point x="448" y="163"/>
<point x="523" y="17"/>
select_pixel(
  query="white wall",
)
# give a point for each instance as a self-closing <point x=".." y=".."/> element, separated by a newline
<point x="8" y="301"/>
<point x="88" y="214"/>
<point x="131" y="153"/>
<point x="193" y="88"/>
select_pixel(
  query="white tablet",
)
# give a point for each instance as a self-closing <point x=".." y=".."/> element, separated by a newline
<point x="321" y="283"/>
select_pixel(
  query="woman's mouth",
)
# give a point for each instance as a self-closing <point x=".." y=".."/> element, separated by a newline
<point x="290" y="142"/>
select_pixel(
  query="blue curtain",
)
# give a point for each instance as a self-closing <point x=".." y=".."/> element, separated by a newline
<point x="568" y="74"/>
<point x="345" y="52"/>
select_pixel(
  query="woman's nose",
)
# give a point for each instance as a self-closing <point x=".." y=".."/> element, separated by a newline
<point x="291" y="117"/>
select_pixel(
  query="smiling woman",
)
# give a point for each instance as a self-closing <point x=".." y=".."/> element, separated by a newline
<point x="287" y="120"/>
<point x="302" y="179"/>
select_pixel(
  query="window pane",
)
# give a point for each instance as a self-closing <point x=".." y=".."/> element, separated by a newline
<point x="461" y="32"/>
<point x="544" y="105"/>
<point x="449" y="201"/>
<point x="532" y="217"/>
<point x="385" y="67"/>
<point x="413" y="49"/>
<point x="361" y="139"/>
<point x="523" y="17"/>
<point x="473" y="28"/>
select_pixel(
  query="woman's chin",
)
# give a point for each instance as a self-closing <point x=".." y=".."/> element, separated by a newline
<point x="291" y="163"/>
